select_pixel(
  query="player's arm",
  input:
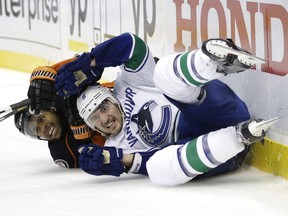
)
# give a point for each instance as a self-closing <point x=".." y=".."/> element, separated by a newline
<point x="126" y="49"/>
<point x="136" y="162"/>
<point x="127" y="160"/>
<point x="112" y="161"/>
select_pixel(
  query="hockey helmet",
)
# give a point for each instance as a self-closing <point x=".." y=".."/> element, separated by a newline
<point x="26" y="123"/>
<point x="91" y="99"/>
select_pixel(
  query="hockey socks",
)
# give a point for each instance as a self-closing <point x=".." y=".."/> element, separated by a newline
<point x="195" y="68"/>
<point x="176" y="164"/>
<point x="181" y="76"/>
<point x="208" y="151"/>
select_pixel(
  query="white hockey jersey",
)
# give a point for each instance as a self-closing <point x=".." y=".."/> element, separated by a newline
<point x="150" y="118"/>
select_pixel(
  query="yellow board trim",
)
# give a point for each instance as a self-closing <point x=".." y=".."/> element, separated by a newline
<point x="26" y="63"/>
<point x="78" y="46"/>
<point x="270" y="157"/>
<point x="20" y="62"/>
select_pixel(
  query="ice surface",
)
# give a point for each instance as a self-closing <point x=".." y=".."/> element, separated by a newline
<point x="31" y="184"/>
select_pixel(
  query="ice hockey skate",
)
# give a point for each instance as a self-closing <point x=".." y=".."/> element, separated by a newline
<point x="229" y="57"/>
<point x="254" y="130"/>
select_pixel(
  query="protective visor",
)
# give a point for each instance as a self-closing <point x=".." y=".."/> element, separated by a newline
<point x="30" y="124"/>
<point x="94" y="117"/>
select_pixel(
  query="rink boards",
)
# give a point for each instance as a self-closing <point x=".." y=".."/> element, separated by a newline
<point x="270" y="157"/>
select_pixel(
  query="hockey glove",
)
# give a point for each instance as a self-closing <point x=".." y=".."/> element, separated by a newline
<point x="80" y="130"/>
<point x="42" y="92"/>
<point x="101" y="161"/>
<point x="76" y="74"/>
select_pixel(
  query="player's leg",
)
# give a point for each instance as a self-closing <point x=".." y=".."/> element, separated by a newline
<point x="229" y="166"/>
<point x="176" y="164"/>
<point x="180" y="76"/>
<point x="220" y="108"/>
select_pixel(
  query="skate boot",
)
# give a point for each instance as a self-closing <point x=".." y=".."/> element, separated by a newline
<point x="229" y="57"/>
<point x="253" y="130"/>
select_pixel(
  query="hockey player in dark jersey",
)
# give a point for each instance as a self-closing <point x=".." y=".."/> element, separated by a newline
<point x="177" y="120"/>
<point x="63" y="141"/>
<point x="57" y="120"/>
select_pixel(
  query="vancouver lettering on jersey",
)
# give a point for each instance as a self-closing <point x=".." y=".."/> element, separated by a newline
<point x="144" y="121"/>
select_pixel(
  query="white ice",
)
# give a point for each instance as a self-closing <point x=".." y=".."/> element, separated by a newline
<point x="31" y="184"/>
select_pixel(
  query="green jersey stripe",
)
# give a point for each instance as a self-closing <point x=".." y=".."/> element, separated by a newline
<point x="193" y="157"/>
<point x="139" y="54"/>
<point x="185" y="70"/>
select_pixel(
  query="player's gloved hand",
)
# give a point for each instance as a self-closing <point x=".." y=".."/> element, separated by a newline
<point x="80" y="130"/>
<point x="71" y="110"/>
<point x="42" y="92"/>
<point x="76" y="74"/>
<point x="96" y="160"/>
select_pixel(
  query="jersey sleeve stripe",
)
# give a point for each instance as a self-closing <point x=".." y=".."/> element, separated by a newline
<point x="138" y="56"/>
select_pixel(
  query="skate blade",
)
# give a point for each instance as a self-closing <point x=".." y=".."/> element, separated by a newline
<point x="257" y="128"/>
<point x="239" y="53"/>
<point x="265" y="125"/>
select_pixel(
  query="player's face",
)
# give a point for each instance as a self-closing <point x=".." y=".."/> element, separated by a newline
<point x="107" y="118"/>
<point x="48" y="126"/>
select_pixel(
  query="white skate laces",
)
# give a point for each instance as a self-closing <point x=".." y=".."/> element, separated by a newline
<point x="253" y="130"/>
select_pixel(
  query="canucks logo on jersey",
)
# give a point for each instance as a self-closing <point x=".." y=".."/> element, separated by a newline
<point x="144" y="121"/>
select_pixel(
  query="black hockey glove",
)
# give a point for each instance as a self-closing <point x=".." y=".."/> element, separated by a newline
<point x="80" y="130"/>
<point x="72" y="111"/>
<point x="42" y="92"/>
<point x="96" y="160"/>
<point x="76" y="74"/>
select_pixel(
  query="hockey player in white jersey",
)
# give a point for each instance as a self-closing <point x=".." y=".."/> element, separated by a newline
<point x="173" y="121"/>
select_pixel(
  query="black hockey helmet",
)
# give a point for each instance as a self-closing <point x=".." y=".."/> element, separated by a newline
<point x="26" y="123"/>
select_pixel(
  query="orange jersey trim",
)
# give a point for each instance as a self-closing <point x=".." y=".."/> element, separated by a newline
<point x="71" y="152"/>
